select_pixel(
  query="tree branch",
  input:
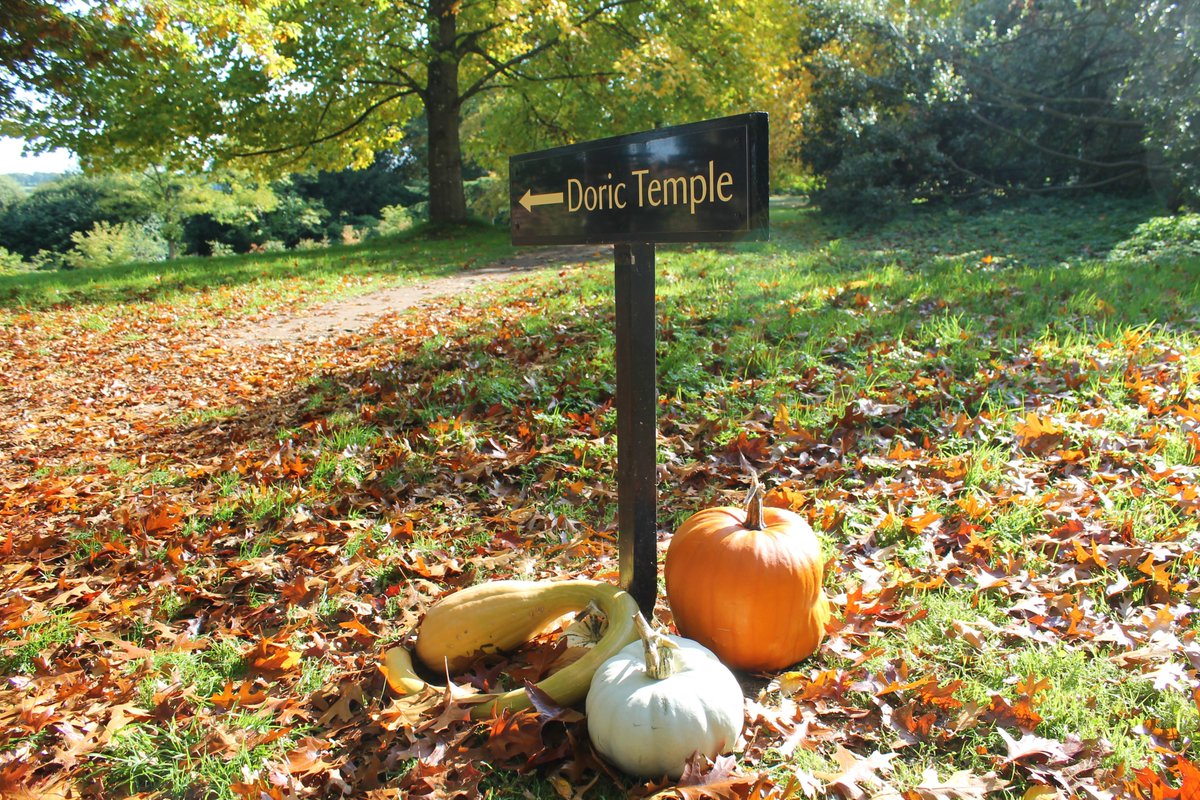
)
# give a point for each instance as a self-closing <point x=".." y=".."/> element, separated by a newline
<point x="1056" y="153"/>
<point x="501" y="67"/>
<point x="1042" y="189"/>
<point x="1091" y="119"/>
<point x="404" y="79"/>
<point x="307" y="145"/>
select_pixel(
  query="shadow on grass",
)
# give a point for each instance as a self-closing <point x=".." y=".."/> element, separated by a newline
<point x="1026" y="231"/>
<point x="839" y="310"/>
<point x="423" y="252"/>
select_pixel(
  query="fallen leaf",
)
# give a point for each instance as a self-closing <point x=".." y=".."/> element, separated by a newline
<point x="961" y="785"/>
<point x="1051" y="751"/>
<point x="1039" y="435"/>
<point x="272" y="657"/>
<point x="856" y="773"/>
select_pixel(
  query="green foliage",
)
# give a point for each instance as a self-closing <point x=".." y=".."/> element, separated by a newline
<point x="394" y="178"/>
<point x="487" y="198"/>
<point x="1176" y="236"/>
<point x="302" y="85"/>
<point x="990" y="97"/>
<point x="10" y="192"/>
<point x="870" y="129"/>
<point x="11" y="262"/>
<point x="173" y="197"/>
<point x="48" y="217"/>
<point x="1160" y="90"/>
<point x="293" y="218"/>
<point x="394" y="219"/>
<point x="31" y="33"/>
<point x="107" y="244"/>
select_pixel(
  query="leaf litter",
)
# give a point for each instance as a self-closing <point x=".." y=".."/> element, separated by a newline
<point x="207" y="547"/>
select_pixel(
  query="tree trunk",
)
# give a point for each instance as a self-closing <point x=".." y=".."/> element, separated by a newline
<point x="447" y="201"/>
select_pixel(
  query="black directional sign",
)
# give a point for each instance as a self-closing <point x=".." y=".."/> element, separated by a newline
<point x="704" y="182"/>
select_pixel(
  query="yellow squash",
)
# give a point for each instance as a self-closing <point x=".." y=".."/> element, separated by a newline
<point x="502" y="615"/>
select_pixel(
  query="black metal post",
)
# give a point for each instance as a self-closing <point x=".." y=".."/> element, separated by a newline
<point x="637" y="401"/>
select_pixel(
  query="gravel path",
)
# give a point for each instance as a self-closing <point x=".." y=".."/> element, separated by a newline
<point x="356" y="313"/>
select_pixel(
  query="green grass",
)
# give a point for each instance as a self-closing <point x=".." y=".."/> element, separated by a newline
<point x="178" y="760"/>
<point x="204" y="672"/>
<point x="250" y="282"/>
<point x="20" y="650"/>
<point x="206" y="415"/>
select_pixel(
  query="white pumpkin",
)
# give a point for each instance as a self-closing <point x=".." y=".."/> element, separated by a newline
<point x="658" y="701"/>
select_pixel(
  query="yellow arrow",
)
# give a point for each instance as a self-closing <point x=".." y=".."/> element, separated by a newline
<point x="530" y="199"/>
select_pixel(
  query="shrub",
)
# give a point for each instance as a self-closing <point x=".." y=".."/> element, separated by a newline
<point x="48" y="260"/>
<point x="115" y="243"/>
<point x="218" y="248"/>
<point x="962" y="100"/>
<point x="1176" y="236"/>
<point x="12" y="262"/>
<point x="48" y="217"/>
<point x="395" y="219"/>
<point x="487" y="197"/>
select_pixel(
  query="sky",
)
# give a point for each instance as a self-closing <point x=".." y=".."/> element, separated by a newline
<point x="12" y="161"/>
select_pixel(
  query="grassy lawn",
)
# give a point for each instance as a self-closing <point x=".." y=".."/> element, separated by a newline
<point x="232" y="286"/>
<point x="993" y="425"/>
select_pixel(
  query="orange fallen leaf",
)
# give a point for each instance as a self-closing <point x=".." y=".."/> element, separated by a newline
<point x="1038" y="434"/>
<point x="361" y="632"/>
<point x="244" y="696"/>
<point x="271" y="656"/>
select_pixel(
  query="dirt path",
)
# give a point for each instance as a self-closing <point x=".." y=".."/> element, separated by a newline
<point x="356" y="313"/>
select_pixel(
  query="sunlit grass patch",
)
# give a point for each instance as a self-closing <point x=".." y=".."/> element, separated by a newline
<point x="201" y="416"/>
<point x="22" y="647"/>
<point x="182" y="760"/>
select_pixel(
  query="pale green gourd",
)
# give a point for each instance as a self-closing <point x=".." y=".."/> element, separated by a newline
<point x="658" y="701"/>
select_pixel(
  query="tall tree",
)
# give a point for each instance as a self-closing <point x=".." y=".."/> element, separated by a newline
<point x="329" y="83"/>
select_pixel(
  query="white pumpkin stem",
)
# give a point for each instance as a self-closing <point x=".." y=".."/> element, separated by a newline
<point x="754" y="505"/>
<point x="659" y="650"/>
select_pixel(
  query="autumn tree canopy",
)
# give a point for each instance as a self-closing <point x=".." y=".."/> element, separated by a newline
<point x="329" y="83"/>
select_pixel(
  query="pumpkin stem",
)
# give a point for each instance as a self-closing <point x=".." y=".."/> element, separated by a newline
<point x="660" y="658"/>
<point x="754" y="505"/>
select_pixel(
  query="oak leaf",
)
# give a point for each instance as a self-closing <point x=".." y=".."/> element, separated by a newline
<point x="1189" y="779"/>
<point x="244" y="696"/>
<point x="271" y="656"/>
<point x="307" y="757"/>
<point x="1051" y="751"/>
<point x="855" y="773"/>
<point x="961" y="785"/>
<point x="1039" y="435"/>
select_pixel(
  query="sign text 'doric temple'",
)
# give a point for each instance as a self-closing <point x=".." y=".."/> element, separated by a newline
<point x="702" y="182"/>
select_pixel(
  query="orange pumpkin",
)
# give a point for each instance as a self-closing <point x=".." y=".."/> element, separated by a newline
<point x="746" y="583"/>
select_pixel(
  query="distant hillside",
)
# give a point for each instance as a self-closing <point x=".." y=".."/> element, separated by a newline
<point x="31" y="179"/>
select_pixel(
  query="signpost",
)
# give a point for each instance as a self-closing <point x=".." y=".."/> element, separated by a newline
<point x="703" y="182"/>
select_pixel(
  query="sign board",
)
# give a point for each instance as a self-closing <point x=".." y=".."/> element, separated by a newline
<point x="703" y="182"/>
